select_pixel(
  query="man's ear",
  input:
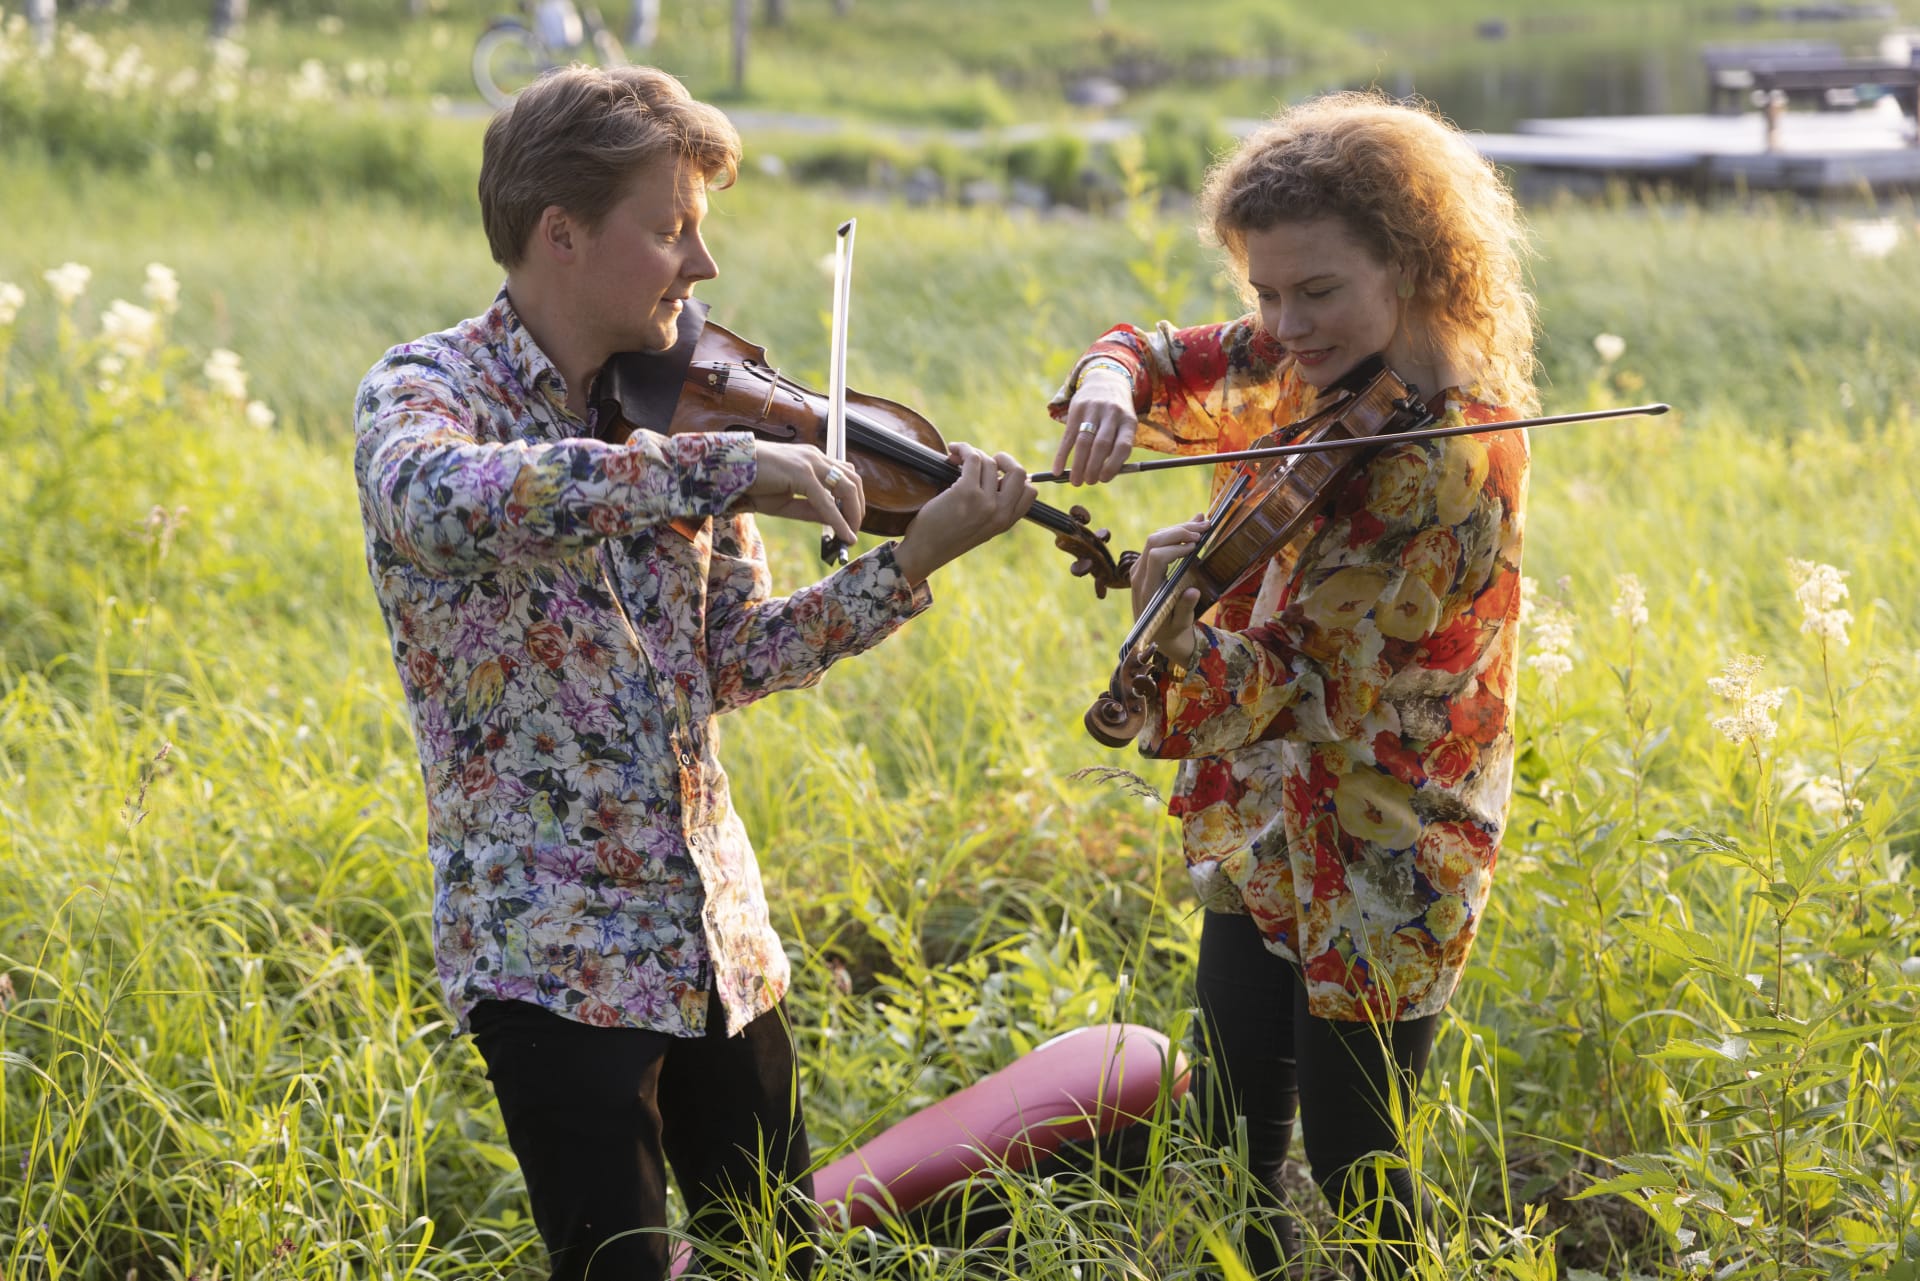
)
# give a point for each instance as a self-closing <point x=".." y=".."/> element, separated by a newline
<point x="557" y="235"/>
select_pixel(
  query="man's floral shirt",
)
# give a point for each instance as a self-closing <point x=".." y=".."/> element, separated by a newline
<point x="567" y="617"/>
<point x="1346" y="735"/>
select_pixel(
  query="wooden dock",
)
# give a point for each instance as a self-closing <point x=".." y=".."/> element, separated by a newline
<point x="1813" y="152"/>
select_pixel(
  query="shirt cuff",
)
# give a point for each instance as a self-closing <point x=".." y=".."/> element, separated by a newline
<point x="875" y="578"/>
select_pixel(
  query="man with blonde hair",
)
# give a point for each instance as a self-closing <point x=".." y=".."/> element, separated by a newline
<point x="568" y="616"/>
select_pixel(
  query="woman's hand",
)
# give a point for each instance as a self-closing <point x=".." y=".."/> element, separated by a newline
<point x="1100" y="427"/>
<point x="799" y="482"/>
<point x="1174" y="637"/>
<point x="992" y="494"/>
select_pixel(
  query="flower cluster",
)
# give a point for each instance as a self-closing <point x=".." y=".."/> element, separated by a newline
<point x="1820" y="589"/>
<point x="1824" y="794"/>
<point x="68" y="281"/>
<point x="1630" y="600"/>
<point x="1552" y="654"/>
<point x="1752" y="720"/>
<point x="224" y="375"/>
<point x="130" y="334"/>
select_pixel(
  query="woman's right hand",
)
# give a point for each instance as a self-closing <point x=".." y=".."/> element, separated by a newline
<point x="1100" y="428"/>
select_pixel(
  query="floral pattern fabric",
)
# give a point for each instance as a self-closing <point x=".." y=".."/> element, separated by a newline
<point x="1372" y="680"/>
<point x="567" y="617"/>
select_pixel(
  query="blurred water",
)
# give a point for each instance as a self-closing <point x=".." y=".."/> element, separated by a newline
<point x="1602" y="64"/>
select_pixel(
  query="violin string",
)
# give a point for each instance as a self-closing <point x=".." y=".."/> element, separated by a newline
<point x="916" y="457"/>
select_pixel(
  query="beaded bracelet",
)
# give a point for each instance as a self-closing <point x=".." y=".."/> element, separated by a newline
<point x="1103" y="362"/>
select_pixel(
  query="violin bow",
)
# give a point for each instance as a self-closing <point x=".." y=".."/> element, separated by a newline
<point x="832" y="550"/>
<point x="1362" y="442"/>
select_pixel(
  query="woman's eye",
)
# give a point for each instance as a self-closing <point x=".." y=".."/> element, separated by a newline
<point x="1315" y="294"/>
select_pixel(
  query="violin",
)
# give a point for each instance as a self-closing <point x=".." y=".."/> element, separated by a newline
<point x="1268" y="501"/>
<point x="714" y="380"/>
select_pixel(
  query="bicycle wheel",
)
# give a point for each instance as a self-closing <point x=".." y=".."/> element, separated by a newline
<point x="506" y="59"/>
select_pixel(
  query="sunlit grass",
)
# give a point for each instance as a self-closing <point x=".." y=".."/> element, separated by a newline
<point x="224" y="1051"/>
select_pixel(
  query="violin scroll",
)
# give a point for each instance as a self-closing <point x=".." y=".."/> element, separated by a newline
<point x="1092" y="558"/>
<point x="1120" y="713"/>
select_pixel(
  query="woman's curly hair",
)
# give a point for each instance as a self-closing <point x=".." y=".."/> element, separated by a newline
<point x="1412" y="189"/>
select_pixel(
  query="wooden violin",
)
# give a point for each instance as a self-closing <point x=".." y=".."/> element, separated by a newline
<point x="1268" y="501"/>
<point x="1281" y="483"/>
<point x="714" y="380"/>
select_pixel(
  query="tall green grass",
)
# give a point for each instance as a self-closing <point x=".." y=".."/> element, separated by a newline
<point x="222" y="1052"/>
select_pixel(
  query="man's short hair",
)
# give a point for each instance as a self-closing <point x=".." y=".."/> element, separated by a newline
<point x="575" y="138"/>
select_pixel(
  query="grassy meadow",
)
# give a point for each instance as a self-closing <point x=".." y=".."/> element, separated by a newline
<point x="1687" y="1046"/>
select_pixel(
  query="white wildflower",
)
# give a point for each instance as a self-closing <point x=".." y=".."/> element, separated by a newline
<point x="259" y="414"/>
<point x="129" y="330"/>
<point x="224" y="374"/>
<point x="183" y="82"/>
<point x="1824" y="794"/>
<point x="11" y="298"/>
<point x="1529" y="593"/>
<point x="1610" y="346"/>
<point x="229" y="58"/>
<point x="1819" y="588"/>
<point x="110" y="366"/>
<point x="68" y="281"/>
<point x="1846" y="396"/>
<point x="162" y="288"/>
<point x="1827" y="797"/>
<point x="312" y="84"/>
<point x="1752" y="722"/>
<point x="85" y="50"/>
<point x="330" y="24"/>
<point x="1630" y="600"/>
<point x="1552" y="642"/>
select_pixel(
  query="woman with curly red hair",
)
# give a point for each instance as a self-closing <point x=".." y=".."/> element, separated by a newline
<point x="1344" y="723"/>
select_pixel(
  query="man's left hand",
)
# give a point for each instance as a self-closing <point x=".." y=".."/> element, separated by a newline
<point x="991" y="495"/>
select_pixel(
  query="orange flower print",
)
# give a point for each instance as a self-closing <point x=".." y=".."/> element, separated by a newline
<point x="1433" y="556"/>
<point x="423" y="671"/>
<point x="1394" y="483"/>
<point x="1451" y="853"/>
<point x="1450" y="760"/>
<point x="547" y="642"/>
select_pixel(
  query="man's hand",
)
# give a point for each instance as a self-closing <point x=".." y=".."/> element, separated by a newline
<point x="1174" y="637"/>
<point x="798" y="482"/>
<point x="991" y="494"/>
<point x="1100" y="427"/>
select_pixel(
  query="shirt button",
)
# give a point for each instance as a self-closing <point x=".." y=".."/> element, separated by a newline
<point x="686" y="758"/>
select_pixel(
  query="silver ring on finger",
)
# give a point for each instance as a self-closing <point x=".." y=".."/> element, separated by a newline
<point x="834" y="477"/>
<point x="1085" y="429"/>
